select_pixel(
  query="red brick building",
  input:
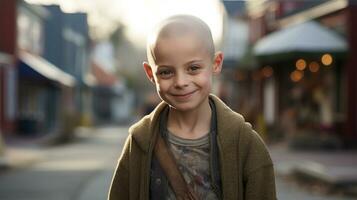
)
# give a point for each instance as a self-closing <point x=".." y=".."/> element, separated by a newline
<point x="7" y="65"/>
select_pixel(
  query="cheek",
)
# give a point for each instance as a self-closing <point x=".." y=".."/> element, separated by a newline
<point x="205" y="80"/>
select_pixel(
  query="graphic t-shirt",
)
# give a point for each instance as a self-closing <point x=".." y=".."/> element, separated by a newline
<point x="192" y="158"/>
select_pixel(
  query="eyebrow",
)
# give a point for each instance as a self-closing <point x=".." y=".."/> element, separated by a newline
<point x="161" y="66"/>
<point x="187" y="63"/>
<point x="194" y="61"/>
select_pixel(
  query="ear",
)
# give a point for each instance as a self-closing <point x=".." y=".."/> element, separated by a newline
<point x="148" y="72"/>
<point x="217" y="62"/>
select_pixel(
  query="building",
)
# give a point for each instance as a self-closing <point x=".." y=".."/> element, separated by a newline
<point x="44" y="61"/>
<point x="239" y="86"/>
<point x="7" y="66"/>
<point x="112" y="100"/>
<point x="67" y="45"/>
<point x="307" y="48"/>
<point x="41" y="84"/>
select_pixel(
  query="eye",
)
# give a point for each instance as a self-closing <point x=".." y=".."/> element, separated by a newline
<point x="193" y="68"/>
<point x="164" y="73"/>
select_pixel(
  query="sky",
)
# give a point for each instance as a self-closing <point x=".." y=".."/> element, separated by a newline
<point x="139" y="16"/>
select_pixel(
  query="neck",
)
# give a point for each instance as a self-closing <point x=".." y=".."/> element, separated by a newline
<point x="190" y="124"/>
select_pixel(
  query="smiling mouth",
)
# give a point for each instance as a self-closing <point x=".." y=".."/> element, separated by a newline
<point x="183" y="95"/>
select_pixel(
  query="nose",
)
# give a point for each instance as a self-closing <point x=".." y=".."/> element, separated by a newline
<point x="181" y="80"/>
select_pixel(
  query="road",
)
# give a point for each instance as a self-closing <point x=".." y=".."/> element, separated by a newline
<point x="75" y="171"/>
<point x="82" y="170"/>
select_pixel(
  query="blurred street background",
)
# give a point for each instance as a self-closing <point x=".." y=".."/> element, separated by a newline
<point x="71" y="83"/>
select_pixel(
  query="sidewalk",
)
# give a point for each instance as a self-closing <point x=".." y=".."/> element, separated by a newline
<point x="19" y="153"/>
<point x="18" y="157"/>
<point x="79" y="170"/>
<point x="336" y="170"/>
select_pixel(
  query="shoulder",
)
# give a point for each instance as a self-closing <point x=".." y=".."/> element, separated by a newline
<point x="140" y="126"/>
<point x="250" y="142"/>
<point x="253" y="150"/>
<point x="142" y="132"/>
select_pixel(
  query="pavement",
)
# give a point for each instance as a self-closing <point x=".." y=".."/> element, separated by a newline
<point x="335" y="171"/>
<point x="23" y="152"/>
<point x="17" y="157"/>
<point x="78" y="170"/>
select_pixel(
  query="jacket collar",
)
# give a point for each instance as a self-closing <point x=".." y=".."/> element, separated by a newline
<point x="144" y="132"/>
<point x="229" y="125"/>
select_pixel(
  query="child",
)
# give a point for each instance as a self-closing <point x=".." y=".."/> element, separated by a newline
<point x="218" y="154"/>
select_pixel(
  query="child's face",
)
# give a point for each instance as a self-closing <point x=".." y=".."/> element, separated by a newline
<point x="183" y="71"/>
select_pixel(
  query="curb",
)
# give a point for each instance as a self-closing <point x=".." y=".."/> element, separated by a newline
<point x="335" y="179"/>
<point x="336" y="175"/>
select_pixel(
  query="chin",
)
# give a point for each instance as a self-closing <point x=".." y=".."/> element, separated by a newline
<point x="184" y="107"/>
<point x="181" y="106"/>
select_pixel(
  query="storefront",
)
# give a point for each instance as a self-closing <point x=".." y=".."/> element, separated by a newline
<point x="307" y="62"/>
<point x="42" y="95"/>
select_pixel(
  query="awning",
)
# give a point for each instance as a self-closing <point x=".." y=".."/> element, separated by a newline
<point x="308" y="37"/>
<point x="47" y="69"/>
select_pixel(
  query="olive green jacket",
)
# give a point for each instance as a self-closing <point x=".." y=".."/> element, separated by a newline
<point x="246" y="167"/>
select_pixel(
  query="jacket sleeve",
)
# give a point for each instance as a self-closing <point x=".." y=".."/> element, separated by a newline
<point x="259" y="179"/>
<point x="119" y="188"/>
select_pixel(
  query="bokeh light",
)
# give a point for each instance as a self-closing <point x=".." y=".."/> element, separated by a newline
<point x="326" y="59"/>
<point x="296" y="75"/>
<point x="300" y="64"/>
<point x="314" y="66"/>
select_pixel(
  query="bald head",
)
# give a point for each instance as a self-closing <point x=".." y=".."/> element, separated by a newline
<point x="179" y="26"/>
